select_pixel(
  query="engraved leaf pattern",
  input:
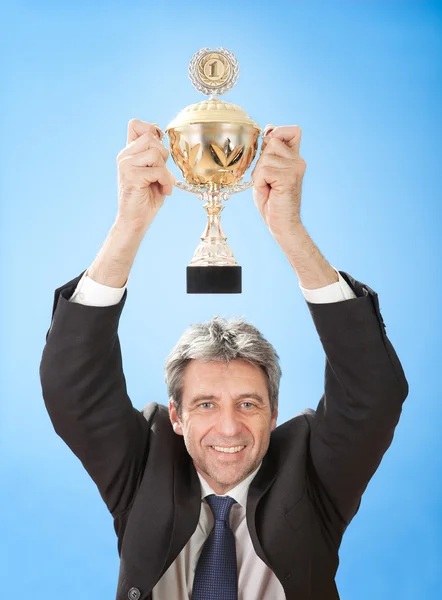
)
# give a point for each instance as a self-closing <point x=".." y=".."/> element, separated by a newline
<point x="219" y="154"/>
<point x="226" y="157"/>
<point x="235" y="155"/>
<point x="191" y="153"/>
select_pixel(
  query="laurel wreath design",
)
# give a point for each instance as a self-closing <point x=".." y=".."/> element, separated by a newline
<point x="195" y="78"/>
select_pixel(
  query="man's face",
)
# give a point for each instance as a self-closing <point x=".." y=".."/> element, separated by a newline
<point x="224" y="406"/>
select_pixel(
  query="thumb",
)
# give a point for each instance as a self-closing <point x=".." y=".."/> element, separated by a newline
<point x="261" y="196"/>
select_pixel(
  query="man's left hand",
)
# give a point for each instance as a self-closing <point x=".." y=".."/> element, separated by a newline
<point x="277" y="180"/>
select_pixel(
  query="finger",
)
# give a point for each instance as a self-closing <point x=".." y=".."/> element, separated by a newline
<point x="261" y="195"/>
<point x="276" y="147"/>
<point x="277" y="162"/>
<point x="290" y="134"/>
<point x="265" y="178"/>
<point x="144" y="142"/>
<point x="149" y="158"/>
<point x="261" y="186"/>
<point x="160" y="175"/>
<point x="136" y="128"/>
<point x="151" y="175"/>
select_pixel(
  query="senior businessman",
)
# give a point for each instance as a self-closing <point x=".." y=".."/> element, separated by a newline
<point x="211" y="499"/>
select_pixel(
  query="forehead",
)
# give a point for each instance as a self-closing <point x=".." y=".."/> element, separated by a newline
<point x="200" y="376"/>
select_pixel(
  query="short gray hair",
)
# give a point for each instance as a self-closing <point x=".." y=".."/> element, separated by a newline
<point x="224" y="340"/>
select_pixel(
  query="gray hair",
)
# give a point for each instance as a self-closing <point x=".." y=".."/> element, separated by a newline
<point x="222" y="339"/>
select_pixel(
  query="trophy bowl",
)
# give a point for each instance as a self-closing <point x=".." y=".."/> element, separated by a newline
<point x="213" y="143"/>
<point x="213" y="153"/>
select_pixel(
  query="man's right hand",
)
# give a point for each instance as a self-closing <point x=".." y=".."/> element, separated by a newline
<point x="143" y="182"/>
<point x="143" y="178"/>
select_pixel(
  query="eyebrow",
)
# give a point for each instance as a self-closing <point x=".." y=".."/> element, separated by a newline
<point x="206" y="397"/>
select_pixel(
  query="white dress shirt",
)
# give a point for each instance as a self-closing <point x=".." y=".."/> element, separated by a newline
<point x="255" y="579"/>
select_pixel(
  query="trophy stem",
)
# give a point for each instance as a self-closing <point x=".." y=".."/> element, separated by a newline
<point x="213" y="249"/>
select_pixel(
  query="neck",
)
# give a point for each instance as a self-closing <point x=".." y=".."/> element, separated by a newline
<point x="218" y="487"/>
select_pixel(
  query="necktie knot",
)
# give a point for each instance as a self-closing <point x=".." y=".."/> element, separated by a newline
<point x="221" y="506"/>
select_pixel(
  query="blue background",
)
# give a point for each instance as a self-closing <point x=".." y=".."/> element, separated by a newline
<point x="363" y="80"/>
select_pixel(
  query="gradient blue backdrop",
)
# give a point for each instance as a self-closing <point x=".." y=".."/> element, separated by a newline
<point x="363" y="80"/>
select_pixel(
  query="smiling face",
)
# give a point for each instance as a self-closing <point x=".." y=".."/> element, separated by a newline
<point x="224" y="407"/>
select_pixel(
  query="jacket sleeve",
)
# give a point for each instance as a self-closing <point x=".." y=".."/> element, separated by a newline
<point x="365" y="387"/>
<point x="84" y="391"/>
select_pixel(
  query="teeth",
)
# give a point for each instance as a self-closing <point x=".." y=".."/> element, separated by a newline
<point x="229" y="450"/>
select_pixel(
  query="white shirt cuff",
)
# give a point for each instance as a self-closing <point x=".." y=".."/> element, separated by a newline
<point x="92" y="293"/>
<point x="335" y="292"/>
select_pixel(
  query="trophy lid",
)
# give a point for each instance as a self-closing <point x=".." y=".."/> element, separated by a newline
<point x="213" y="72"/>
<point x="212" y="110"/>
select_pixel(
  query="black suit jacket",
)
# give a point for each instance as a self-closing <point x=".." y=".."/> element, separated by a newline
<point x="312" y="478"/>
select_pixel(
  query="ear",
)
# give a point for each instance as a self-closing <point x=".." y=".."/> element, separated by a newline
<point x="274" y="418"/>
<point x="174" y="419"/>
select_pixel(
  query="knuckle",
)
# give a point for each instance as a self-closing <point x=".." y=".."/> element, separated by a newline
<point x="153" y="140"/>
<point x="157" y="155"/>
<point x="264" y="162"/>
<point x="125" y="164"/>
<point x="265" y="170"/>
<point x="147" y="139"/>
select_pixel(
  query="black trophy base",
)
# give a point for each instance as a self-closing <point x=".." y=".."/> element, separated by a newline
<point x="214" y="280"/>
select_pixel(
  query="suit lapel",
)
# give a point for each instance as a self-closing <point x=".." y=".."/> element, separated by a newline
<point x="259" y="486"/>
<point x="187" y="501"/>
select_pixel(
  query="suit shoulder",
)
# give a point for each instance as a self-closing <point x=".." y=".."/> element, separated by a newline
<point x="292" y="435"/>
<point x="150" y="410"/>
<point x="158" y="418"/>
<point x="300" y="420"/>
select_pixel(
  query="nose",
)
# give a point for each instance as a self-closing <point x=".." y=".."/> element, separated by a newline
<point x="228" y="423"/>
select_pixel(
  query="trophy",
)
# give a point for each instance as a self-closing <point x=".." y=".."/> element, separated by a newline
<point x="213" y="143"/>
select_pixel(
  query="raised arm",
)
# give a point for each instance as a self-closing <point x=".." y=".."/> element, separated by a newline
<point x="365" y="385"/>
<point x="81" y="371"/>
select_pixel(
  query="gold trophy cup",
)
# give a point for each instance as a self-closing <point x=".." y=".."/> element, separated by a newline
<point x="213" y="143"/>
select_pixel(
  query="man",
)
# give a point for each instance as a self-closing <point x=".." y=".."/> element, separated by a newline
<point x="212" y="501"/>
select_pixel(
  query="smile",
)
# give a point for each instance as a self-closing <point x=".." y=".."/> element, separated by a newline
<point x="232" y="450"/>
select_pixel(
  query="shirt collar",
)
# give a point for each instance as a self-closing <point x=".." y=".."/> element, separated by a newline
<point x="238" y="493"/>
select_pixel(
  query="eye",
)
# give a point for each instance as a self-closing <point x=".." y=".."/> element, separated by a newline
<point x="250" y="404"/>
<point x="205" y="404"/>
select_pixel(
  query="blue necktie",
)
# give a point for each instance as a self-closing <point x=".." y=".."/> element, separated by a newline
<point x="216" y="576"/>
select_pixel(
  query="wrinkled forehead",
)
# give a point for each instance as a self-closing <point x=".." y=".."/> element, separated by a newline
<point x="223" y="380"/>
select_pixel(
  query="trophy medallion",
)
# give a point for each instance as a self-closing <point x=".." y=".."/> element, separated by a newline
<point x="213" y="143"/>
